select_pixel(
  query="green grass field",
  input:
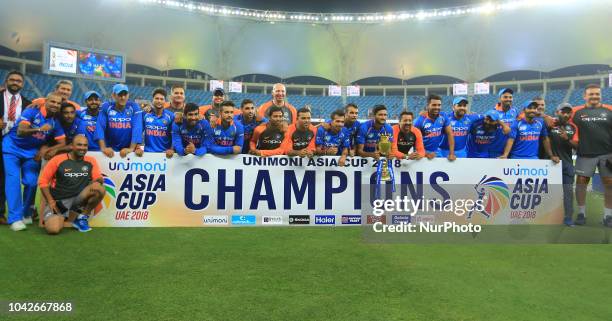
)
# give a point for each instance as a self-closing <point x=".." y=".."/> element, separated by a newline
<point x="300" y="274"/>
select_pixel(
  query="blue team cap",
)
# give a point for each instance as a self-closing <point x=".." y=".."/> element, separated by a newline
<point x="528" y="103"/>
<point x="505" y="90"/>
<point x="493" y="114"/>
<point x="119" y="88"/>
<point x="90" y="93"/>
<point x="458" y="100"/>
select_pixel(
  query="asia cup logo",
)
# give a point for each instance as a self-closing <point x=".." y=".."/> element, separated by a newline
<point x="494" y="194"/>
<point x="109" y="187"/>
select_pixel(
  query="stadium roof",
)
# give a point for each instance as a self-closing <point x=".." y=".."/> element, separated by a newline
<point x="339" y="6"/>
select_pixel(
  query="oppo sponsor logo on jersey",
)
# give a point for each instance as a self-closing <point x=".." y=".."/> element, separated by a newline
<point x="216" y="220"/>
<point x="271" y="220"/>
<point x="76" y="174"/>
<point x="271" y="141"/>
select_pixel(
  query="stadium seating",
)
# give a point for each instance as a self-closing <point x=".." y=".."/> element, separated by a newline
<point x="321" y="106"/>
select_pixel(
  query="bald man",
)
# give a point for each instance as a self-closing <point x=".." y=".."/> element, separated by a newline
<point x="71" y="183"/>
<point x="279" y="95"/>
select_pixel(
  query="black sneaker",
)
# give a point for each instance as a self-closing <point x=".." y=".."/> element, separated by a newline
<point x="580" y="219"/>
<point x="607" y="221"/>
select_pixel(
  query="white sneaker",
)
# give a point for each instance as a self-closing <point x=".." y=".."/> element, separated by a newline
<point x="27" y="220"/>
<point x="18" y="226"/>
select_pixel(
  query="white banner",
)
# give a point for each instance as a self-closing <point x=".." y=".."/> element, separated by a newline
<point x="334" y="90"/>
<point x="481" y="88"/>
<point x="214" y="84"/>
<point x="460" y="89"/>
<point x="352" y="91"/>
<point x="235" y="87"/>
<point x="250" y="190"/>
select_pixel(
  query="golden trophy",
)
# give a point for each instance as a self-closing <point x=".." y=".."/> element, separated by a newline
<point x="384" y="148"/>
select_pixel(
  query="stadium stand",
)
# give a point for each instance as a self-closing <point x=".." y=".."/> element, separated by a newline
<point x="321" y="106"/>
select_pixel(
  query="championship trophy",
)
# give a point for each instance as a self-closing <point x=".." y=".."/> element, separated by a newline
<point x="384" y="171"/>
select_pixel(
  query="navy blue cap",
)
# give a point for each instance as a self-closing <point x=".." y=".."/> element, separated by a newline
<point x="218" y="92"/>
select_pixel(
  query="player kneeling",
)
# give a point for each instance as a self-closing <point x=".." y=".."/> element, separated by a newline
<point x="71" y="183"/>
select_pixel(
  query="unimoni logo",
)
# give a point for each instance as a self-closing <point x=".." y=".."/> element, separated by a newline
<point x="216" y="220"/>
<point x="525" y="171"/>
<point x="129" y="165"/>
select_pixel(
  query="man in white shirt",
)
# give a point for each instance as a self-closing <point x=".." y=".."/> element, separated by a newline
<point x="11" y="105"/>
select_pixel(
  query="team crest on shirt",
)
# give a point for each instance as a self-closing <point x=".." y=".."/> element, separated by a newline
<point x="165" y="122"/>
<point x="84" y="168"/>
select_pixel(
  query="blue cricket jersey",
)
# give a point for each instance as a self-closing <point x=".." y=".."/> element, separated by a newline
<point x="224" y="138"/>
<point x="27" y="146"/>
<point x="182" y="135"/>
<point x="484" y="144"/>
<point x="527" y="138"/>
<point x="432" y="130"/>
<point x="88" y="128"/>
<point x="327" y="139"/>
<point x="369" y="136"/>
<point x="158" y="131"/>
<point x="460" y="127"/>
<point x="119" y="128"/>
<point x="248" y="129"/>
<point x="74" y="129"/>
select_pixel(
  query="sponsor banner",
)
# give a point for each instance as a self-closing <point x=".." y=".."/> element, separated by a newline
<point x="460" y="89"/>
<point x="371" y="219"/>
<point x="299" y="219"/>
<point x="216" y="220"/>
<point x="398" y="219"/>
<point x="244" y="219"/>
<point x="153" y="191"/>
<point x="351" y="219"/>
<point x="481" y="88"/>
<point x="325" y="219"/>
<point x="272" y="220"/>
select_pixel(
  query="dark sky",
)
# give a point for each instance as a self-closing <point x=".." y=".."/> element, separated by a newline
<point x="342" y="5"/>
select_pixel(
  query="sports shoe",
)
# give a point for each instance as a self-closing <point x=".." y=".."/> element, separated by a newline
<point x="580" y="219"/>
<point x="607" y="221"/>
<point x="18" y="226"/>
<point x="82" y="225"/>
<point x="27" y="220"/>
<point x="568" y="221"/>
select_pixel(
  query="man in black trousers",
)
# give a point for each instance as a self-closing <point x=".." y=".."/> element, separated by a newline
<point x="11" y="105"/>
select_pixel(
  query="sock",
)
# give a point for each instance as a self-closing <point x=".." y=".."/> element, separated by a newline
<point x="82" y="217"/>
<point x="607" y="212"/>
<point x="582" y="209"/>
